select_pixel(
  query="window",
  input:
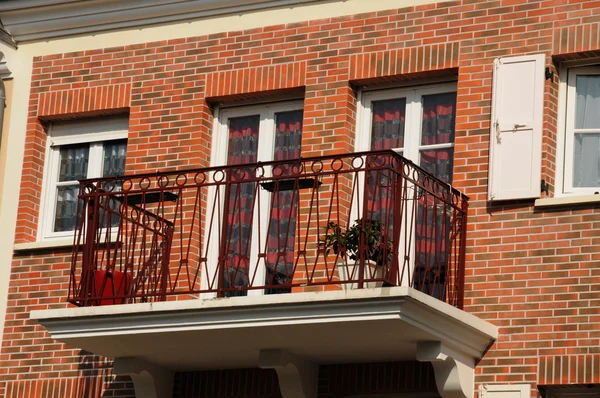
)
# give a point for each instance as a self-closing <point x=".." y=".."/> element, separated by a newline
<point x="418" y="123"/>
<point x="78" y="150"/>
<point x="247" y="135"/>
<point x="582" y="132"/>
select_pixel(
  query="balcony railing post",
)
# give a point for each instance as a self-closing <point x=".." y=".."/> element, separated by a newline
<point x="460" y="283"/>
<point x="397" y="223"/>
<point x="361" y="236"/>
<point x="165" y="261"/>
<point x="88" y="266"/>
<point x="224" y="239"/>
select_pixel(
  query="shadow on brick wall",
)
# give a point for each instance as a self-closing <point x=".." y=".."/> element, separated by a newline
<point x="97" y="378"/>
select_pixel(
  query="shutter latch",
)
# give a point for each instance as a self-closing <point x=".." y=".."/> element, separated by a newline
<point x="498" y="136"/>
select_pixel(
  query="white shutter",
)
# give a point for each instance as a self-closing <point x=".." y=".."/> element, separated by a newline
<point x="516" y="128"/>
<point x="505" y="391"/>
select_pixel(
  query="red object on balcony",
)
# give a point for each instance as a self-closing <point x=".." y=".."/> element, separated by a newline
<point x="111" y="287"/>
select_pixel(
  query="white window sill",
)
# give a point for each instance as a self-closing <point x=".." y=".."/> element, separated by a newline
<point x="56" y="243"/>
<point x="567" y="201"/>
<point x="46" y="244"/>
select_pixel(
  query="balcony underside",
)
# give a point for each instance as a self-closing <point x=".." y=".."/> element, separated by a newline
<point x="368" y="325"/>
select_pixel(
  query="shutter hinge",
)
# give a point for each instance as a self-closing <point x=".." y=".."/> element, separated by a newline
<point x="497" y="129"/>
<point x="545" y="187"/>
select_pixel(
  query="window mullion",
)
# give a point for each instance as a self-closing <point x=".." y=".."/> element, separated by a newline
<point x="413" y="126"/>
<point x="266" y="133"/>
<point x="95" y="161"/>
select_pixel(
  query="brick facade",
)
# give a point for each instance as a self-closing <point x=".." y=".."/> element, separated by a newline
<point x="534" y="273"/>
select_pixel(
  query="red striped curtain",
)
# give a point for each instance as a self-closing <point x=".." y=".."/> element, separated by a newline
<point x="387" y="127"/>
<point x="433" y="217"/>
<point x="438" y="128"/>
<point x="284" y="205"/>
<point x="242" y="149"/>
<point x="432" y="224"/>
<point x="387" y="132"/>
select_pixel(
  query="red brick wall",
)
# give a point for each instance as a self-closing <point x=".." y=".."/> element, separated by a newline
<point x="533" y="273"/>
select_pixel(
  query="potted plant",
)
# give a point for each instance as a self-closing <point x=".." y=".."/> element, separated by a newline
<point x="347" y="244"/>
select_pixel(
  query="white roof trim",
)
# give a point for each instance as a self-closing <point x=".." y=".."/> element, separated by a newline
<point x="4" y="71"/>
<point x="33" y="20"/>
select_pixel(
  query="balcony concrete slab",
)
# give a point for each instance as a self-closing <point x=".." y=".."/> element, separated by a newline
<point x="382" y="324"/>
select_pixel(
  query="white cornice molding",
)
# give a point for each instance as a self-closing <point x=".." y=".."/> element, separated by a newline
<point x="4" y="70"/>
<point x="46" y="21"/>
<point x="35" y="20"/>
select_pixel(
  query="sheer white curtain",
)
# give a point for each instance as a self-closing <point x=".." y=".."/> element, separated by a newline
<point x="73" y="166"/>
<point x="586" y="156"/>
<point x="114" y="158"/>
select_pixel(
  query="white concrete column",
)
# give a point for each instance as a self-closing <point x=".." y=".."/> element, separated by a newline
<point x="297" y="377"/>
<point x="149" y="381"/>
<point x="454" y="372"/>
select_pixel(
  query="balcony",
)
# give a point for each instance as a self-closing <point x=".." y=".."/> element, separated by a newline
<point x="349" y="258"/>
<point x="328" y="223"/>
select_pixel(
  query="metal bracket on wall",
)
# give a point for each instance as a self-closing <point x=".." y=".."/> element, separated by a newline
<point x="545" y="187"/>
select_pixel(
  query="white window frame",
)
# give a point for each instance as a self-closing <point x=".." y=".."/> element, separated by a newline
<point x="95" y="132"/>
<point x="414" y="115"/>
<point x="219" y="153"/>
<point x="566" y="127"/>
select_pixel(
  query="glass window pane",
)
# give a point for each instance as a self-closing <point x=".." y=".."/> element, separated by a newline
<point x="439" y="112"/>
<point x="114" y="158"/>
<point x="115" y="153"/>
<point x="73" y="162"/>
<point x="438" y="162"/>
<point x="387" y="128"/>
<point x="243" y="139"/>
<point x="586" y="160"/>
<point x="66" y="207"/>
<point x="587" y="115"/>
<point x="288" y="135"/>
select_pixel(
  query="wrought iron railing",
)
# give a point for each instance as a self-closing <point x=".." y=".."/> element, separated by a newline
<point x="323" y="223"/>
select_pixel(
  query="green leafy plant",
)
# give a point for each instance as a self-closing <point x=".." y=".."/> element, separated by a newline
<point x="346" y="243"/>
